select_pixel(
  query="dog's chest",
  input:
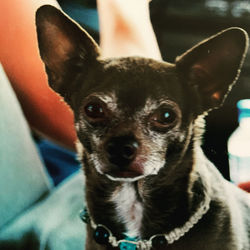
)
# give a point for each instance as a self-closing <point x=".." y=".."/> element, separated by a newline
<point x="129" y="209"/>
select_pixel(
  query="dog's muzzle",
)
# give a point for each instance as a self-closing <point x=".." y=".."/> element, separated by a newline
<point x="121" y="153"/>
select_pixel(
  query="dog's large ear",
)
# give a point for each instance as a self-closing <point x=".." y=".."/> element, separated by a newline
<point x="213" y="66"/>
<point x="64" y="47"/>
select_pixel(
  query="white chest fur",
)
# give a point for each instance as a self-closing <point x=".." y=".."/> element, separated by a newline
<point x="129" y="209"/>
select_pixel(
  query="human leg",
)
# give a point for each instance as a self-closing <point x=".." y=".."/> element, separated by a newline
<point x="126" y="29"/>
<point x="23" y="179"/>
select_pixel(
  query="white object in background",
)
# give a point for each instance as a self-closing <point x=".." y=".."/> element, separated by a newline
<point x="239" y="146"/>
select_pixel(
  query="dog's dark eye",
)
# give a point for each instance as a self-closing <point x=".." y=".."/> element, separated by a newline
<point x="163" y="117"/>
<point x="95" y="111"/>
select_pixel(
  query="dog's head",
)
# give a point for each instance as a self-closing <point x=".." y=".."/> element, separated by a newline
<point x="135" y="116"/>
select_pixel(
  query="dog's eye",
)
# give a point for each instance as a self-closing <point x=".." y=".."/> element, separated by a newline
<point x="95" y="111"/>
<point x="163" y="117"/>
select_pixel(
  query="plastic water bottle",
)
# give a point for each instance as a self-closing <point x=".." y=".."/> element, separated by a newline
<point x="239" y="146"/>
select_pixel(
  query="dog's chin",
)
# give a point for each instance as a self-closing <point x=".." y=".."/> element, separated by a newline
<point x="132" y="172"/>
<point x="125" y="176"/>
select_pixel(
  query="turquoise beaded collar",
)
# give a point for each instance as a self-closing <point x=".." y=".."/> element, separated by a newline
<point x="104" y="236"/>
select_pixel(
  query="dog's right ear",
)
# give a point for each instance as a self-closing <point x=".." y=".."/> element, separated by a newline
<point x="64" y="47"/>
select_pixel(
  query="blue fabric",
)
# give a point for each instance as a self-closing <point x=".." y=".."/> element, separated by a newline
<point x="33" y="213"/>
<point x="23" y="178"/>
<point x="53" y="223"/>
<point x="59" y="161"/>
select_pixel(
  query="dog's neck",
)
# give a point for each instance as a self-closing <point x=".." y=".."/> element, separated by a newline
<point x="152" y="205"/>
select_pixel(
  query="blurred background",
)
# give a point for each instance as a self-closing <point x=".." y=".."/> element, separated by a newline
<point x="178" y="26"/>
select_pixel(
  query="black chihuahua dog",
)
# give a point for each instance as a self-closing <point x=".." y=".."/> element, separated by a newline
<point x="139" y="122"/>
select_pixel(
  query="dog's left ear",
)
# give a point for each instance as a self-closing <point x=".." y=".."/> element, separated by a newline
<point x="213" y="66"/>
<point x="65" y="48"/>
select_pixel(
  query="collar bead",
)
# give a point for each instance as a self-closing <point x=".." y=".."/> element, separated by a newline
<point x="101" y="235"/>
<point x="159" y="242"/>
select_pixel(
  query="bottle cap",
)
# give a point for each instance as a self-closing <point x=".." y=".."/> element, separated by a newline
<point x="243" y="109"/>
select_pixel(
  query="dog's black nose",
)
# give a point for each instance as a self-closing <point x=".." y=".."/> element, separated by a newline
<point x="122" y="150"/>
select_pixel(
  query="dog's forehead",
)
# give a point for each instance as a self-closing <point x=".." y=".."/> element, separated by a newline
<point x="135" y="81"/>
